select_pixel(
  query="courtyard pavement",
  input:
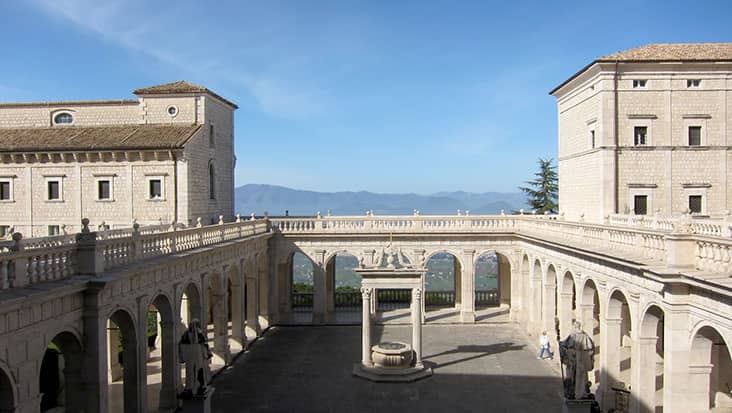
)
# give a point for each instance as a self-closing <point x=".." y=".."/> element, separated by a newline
<point x="477" y="368"/>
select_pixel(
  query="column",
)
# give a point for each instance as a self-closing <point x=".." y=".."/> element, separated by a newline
<point x="366" y="327"/>
<point x="467" y="288"/>
<point x="676" y="353"/>
<point x="609" y="358"/>
<point x="330" y="270"/>
<point x="170" y="375"/>
<point x="264" y="287"/>
<point x="565" y="316"/>
<point x="417" y="326"/>
<point x="94" y="365"/>
<point x="643" y="382"/>
<point x="517" y="311"/>
<point x="586" y="316"/>
<point x="252" y="329"/>
<point x="698" y="387"/>
<point x="237" y="324"/>
<point x="374" y="303"/>
<point x="220" y="318"/>
<point x="319" y="298"/>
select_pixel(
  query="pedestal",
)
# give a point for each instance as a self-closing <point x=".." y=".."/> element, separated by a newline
<point x="577" y="406"/>
<point x="199" y="403"/>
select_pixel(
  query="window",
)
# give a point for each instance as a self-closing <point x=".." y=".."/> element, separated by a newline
<point x="693" y="83"/>
<point x="155" y="188"/>
<point x="104" y="190"/>
<point x="640" y="135"/>
<point x="592" y="139"/>
<point x="6" y="190"/>
<point x="639" y="83"/>
<point x="211" y="181"/>
<point x="695" y="204"/>
<point x="172" y="111"/>
<point x="211" y="136"/>
<point x="694" y="135"/>
<point x="640" y="204"/>
<point x="54" y="230"/>
<point x="63" y="118"/>
<point x="4" y="230"/>
<point x="54" y="190"/>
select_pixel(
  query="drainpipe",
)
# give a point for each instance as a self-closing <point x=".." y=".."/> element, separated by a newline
<point x="616" y="172"/>
<point x="175" y="186"/>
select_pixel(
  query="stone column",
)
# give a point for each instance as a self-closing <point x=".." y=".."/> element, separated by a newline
<point x="467" y="290"/>
<point x="237" y="324"/>
<point x="94" y="380"/>
<point x="138" y="378"/>
<point x="698" y="387"/>
<point x="565" y="316"/>
<point x="586" y="316"/>
<point x="374" y="303"/>
<point x="609" y="357"/>
<point x="417" y="326"/>
<point x="319" y="297"/>
<point x="366" y="327"/>
<point x="643" y="383"/>
<point x="170" y="374"/>
<point x="264" y="287"/>
<point x="252" y="329"/>
<point x="548" y="309"/>
<point x="221" y="319"/>
<point x="676" y="352"/>
<point x="517" y="311"/>
<point x="458" y="272"/>
<point x="330" y="270"/>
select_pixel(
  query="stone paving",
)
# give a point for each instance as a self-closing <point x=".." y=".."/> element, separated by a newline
<point x="489" y="368"/>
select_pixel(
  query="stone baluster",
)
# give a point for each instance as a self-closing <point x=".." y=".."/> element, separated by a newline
<point x="89" y="254"/>
<point x="18" y="276"/>
<point x="366" y="330"/>
<point x="417" y="326"/>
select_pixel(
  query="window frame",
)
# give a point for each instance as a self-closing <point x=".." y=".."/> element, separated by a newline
<point x="97" y="182"/>
<point x="639" y="83"/>
<point x="640" y="189"/>
<point x="647" y="136"/>
<point x="688" y="134"/>
<point x="11" y="195"/>
<point x="55" y="115"/>
<point x="211" y="135"/>
<point x="55" y="232"/>
<point x="211" y="181"/>
<point x="58" y="179"/>
<point x="693" y="83"/>
<point x="148" y="182"/>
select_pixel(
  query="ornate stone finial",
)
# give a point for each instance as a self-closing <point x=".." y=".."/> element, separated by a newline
<point x="173" y="225"/>
<point x="328" y="211"/>
<point x="85" y="225"/>
<point x="467" y="212"/>
<point x="221" y="219"/>
<point x="459" y="212"/>
<point x="414" y="212"/>
<point x="521" y="211"/>
<point x="368" y="213"/>
<point x="135" y="227"/>
<point x="418" y="212"/>
<point x="561" y="216"/>
<point x="582" y="217"/>
<point x="317" y="215"/>
<point x="546" y="212"/>
<point x="199" y="224"/>
<point x="252" y="217"/>
<point x="17" y="236"/>
<point x="533" y="211"/>
<point x="160" y="221"/>
<point x="238" y="218"/>
<point x="63" y="229"/>
<point x="503" y="213"/>
<point x="266" y="214"/>
<point x="102" y="226"/>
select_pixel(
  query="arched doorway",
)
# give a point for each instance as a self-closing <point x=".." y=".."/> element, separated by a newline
<point x="650" y="348"/>
<point x="343" y="285"/>
<point x="60" y="374"/>
<point x="162" y="368"/>
<point x="710" y="371"/>
<point x="442" y="281"/>
<point x="190" y="305"/>
<point x="124" y="361"/>
<point x="487" y="281"/>
<point x="536" y="301"/>
<point x="7" y="393"/>
<point x="302" y="287"/>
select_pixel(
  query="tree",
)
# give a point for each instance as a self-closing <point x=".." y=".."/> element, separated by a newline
<point x="542" y="191"/>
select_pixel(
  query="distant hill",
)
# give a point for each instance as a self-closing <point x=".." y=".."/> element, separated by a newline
<point x="277" y="199"/>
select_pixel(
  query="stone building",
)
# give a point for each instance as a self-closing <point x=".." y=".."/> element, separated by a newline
<point x="165" y="156"/>
<point x="646" y="131"/>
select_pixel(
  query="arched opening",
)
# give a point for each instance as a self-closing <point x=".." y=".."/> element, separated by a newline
<point x="487" y="283"/>
<point x="549" y="299"/>
<point x="219" y="319"/>
<point x="7" y="393"/>
<point x="710" y="372"/>
<point x="524" y="289"/>
<point x="162" y="369"/>
<point x="302" y="290"/>
<point x="441" y="282"/>
<point x="567" y="304"/>
<point x="343" y="285"/>
<point x="190" y="305"/>
<point x="536" y="301"/>
<point x="237" y="340"/>
<point x="123" y="360"/>
<point x="589" y="316"/>
<point x="649" y="383"/>
<point x="60" y="375"/>
<point x="618" y="352"/>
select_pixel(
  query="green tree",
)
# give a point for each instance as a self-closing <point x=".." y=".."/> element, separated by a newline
<point x="542" y="191"/>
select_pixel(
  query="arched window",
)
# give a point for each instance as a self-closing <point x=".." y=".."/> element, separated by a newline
<point x="63" y="118"/>
<point x="211" y="181"/>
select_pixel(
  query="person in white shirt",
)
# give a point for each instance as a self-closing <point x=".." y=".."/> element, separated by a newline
<point x="544" y="347"/>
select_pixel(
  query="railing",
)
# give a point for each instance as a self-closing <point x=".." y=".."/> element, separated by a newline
<point x="720" y="227"/>
<point x="393" y="299"/>
<point x="348" y="299"/>
<point x="439" y="298"/>
<point x="487" y="297"/>
<point x="302" y="300"/>
<point x="395" y="224"/>
<point x="714" y="255"/>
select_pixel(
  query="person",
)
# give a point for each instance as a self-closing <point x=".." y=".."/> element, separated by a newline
<point x="576" y="353"/>
<point x="195" y="353"/>
<point x="544" y="347"/>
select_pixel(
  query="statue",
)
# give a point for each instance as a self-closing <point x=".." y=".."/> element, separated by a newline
<point x="195" y="353"/>
<point x="576" y="352"/>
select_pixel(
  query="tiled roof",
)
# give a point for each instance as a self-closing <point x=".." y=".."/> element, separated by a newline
<point x="673" y="52"/>
<point x="180" y="86"/>
<point x="66" y="138"/>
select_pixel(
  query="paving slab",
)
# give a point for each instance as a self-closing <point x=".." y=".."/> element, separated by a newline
<point x="488" y="368"/>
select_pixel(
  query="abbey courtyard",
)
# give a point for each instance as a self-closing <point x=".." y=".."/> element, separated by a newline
<point x="120" y="236"/>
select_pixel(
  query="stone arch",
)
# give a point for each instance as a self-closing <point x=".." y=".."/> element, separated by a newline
<point x="128" y="359"/>
<point x="343" y="294"/>
<point x="488" y="279"/>
<point x="190" y="303"/>
<point x="170" y="370"/>
<point x="218" y="315"/>
<point x="710" y="369"/>
<point x="549" y="298"/>
<point x="302" y="281"/>
<point x="618" y="333"/>
<point x="524" y="284"/>
<point x="567" y="303"/>
<point x="8" y="390"/>
<point x="649" y="380"/>
<point x="589" y="316"/>
<point x="60" y="373"/>
<point x="235" y="292"/>
<point x="536" y="296"/>
<point x="436" y="292"/>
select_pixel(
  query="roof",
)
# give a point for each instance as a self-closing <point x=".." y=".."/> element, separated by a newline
<point x="664" y="52"/>
<point x="72" y="103"/>
<point x="180" y="86"/>
<point x="67" y="138"/>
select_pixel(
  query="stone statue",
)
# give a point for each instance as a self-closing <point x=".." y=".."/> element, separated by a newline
<point x="195" y="353"/>
<point x="576" y="352"/>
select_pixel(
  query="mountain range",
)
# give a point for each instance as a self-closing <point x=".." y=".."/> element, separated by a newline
<point x="277" y="200"/>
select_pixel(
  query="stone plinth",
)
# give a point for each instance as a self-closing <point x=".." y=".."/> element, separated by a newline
<point x="391" y="374"/>
<point x="577" y="406"/>
<point x="391" y="355"/>
<point x="199" y="403"/>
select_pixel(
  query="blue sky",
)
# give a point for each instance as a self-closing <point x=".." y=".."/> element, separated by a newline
<point x="385" y="96"/>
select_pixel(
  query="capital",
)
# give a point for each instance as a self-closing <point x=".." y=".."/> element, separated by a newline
<point x="366" y="293"/>
<point x="417" y="294"/>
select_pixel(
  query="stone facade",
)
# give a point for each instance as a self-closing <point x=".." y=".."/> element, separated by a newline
<point x="603" y="170"/>
<point x="183" y="168"/>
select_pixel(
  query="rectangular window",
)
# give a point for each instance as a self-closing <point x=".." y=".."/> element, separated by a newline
<point x="695" y="204"/>
<point x="156" y="189"/>
<point x="211" y="136"/>
<point x="640" y="135"/>
<point x="693" y="83"/>
<point x="639" y="83"/>
<point x="4" y="230"/>
<point x="694" y="135"/>
<point x="53" y="230"/>
<point x="5" y="191"/>
<point x="54" y="190"/>
<point x="640" y="204"/>
<point x="592" y="139"/>
<point x="104" y="190"/>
